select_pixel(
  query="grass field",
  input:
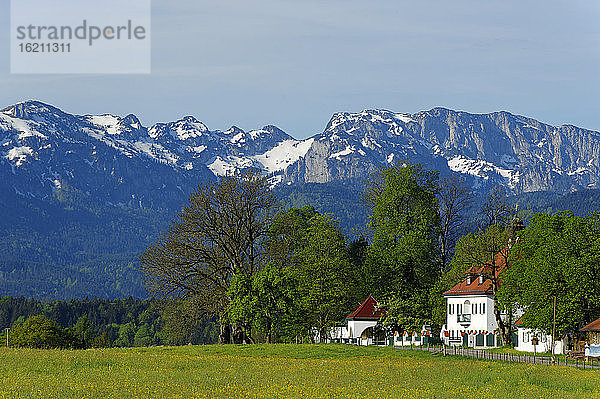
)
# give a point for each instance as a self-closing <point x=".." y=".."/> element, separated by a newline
<point x="279" y="371"/>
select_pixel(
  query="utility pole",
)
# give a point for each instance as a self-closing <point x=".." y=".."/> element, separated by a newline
<point x="554" y="331"/>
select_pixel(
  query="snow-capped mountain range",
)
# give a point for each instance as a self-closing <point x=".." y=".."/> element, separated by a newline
<point x="119" y="161"/>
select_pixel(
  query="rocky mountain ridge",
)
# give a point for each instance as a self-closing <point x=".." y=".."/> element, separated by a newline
<point x="117" y="160"/>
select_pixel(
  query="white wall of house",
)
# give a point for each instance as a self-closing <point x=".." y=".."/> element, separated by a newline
<point x="525" y="343"/>
<point x="469" y="312"/>
<point x="339" y="332"/>
<point x="357" y="327"/>
<point x="409" y="340"/>
<point x="352" y="329"/>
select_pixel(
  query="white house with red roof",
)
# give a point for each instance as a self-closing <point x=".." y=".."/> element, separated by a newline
<point x="592" y="338"/>
<point x="360" y="328"/>
<point x="470" y="318"/>
<point x="360" y="324"/>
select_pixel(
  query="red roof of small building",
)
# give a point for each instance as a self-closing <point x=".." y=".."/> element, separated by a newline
<point x="593" y="326"/>
<point x="519" y="322"/>
<point x="463" y="288"/>
<point x="474" y="288"/>
<point x="367" y="310"/>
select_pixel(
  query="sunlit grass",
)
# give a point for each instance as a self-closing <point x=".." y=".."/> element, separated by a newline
<point x="279" y="371"/>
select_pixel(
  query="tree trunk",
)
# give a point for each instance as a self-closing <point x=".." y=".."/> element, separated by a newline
<point x="224" y="333"/>
<point x="240" y="336"/>
<point x="237" y="335"/>
<point x="503" y="327"/>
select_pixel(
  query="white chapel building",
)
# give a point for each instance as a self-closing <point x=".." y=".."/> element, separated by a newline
<point x="470" y="319"/>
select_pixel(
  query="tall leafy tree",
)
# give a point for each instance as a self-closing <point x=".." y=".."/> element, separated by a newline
<point x="322" y="269"/>
<point x="220" y="233"/>
<point x="556" y="258"/>
<point x="403" y="260"/>
<point x="454" y="201"/>
<point x="487" y="252"/>
<point x="310" y="273"/>
<point x="268" y="299"/>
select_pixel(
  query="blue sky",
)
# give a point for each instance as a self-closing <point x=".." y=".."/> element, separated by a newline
<point x="295" y="63"/>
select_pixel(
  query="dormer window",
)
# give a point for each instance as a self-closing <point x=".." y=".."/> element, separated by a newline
<point x="469" y="279"/>
<point x="480" y="279"/>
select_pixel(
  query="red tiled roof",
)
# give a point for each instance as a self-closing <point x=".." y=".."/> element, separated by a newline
<point x="593" y="326"/>
<point x="475" y="288"/>
<point x="367" y="310"/>
<point x="519" y="322"/>
<point x="500" y="261"/>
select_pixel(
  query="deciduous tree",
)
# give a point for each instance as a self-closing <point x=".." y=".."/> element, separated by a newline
<point x="454" y="200"/>
<point x="487" y="252"/>
<point x="403" y="261"/>
<point x="219" y="234"/>
<point x="556" y="257"/>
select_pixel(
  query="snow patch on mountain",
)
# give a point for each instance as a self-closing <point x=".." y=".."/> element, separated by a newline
<point x="283" y="155"/>
<point x="108" y="123"/>
<point x="480" y="168"/>
<point x="19" y="155"/>
<point x="24" y="128"/>
<point x="189" y="128"/>
<point x="229" y="165"/>
<point x="406" y="118"/>
<point x="338" y="155"/>
<point x="155" y="151"/>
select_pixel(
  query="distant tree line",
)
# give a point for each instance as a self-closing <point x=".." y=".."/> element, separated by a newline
<point x="88" y="323"/>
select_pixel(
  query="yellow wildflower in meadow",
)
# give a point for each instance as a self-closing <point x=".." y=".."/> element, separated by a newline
<point x="279" y="371"/>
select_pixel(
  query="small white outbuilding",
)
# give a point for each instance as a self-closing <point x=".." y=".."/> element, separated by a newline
<point x="360" y="325"/>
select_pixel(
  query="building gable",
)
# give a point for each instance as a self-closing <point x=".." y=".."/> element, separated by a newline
<point x="367" y="311"/>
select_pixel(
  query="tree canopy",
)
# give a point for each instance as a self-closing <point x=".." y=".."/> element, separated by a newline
<point x="403" y="261"/>
<point x="306" y="284"/>
<point x="220" y="233"/>
<point x="556" y="256"/>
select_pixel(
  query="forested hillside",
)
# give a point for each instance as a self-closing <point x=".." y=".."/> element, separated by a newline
<point x="70" y="248"/>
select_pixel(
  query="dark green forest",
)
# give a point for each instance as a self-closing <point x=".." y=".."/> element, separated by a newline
<point x="66" y="248"/>
<point x="98" y="322"/>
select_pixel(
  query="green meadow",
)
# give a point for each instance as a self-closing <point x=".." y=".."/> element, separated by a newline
<point x="279" y="371"/>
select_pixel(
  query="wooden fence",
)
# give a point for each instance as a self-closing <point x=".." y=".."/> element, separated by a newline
<point x="507" y="357"/>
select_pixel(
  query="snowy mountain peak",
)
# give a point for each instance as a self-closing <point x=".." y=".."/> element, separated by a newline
<point x="29" y="109"/>
<point x="40" y="143"/>
<point x="131" y="121"/>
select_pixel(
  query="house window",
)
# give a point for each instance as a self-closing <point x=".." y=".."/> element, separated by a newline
<point x="525" y="336"/>
<point x="482" y="308"/>
<point x="474" y="307"/>
<point x="466" y="308"/>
